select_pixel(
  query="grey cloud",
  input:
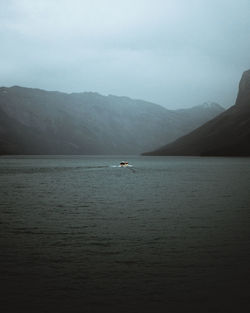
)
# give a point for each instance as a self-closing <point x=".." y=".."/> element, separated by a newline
<point x="175" y="53"/>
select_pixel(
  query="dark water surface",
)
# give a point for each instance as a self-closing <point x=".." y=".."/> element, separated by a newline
<point x="79" y="234"/>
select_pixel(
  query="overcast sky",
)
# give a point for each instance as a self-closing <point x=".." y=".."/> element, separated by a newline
<point x="177" y="53"/>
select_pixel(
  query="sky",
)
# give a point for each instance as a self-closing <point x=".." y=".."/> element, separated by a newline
<point x="177" y="53"/>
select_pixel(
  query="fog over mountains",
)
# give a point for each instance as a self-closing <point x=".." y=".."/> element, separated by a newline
<point x="226" y="135"/>
<point x="34" y="121"/>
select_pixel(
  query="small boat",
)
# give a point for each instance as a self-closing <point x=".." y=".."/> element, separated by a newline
<point x="123" y="164"/>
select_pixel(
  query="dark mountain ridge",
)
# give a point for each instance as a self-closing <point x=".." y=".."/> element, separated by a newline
<point x="228" y="134"/>
<point x="35" y="121"/>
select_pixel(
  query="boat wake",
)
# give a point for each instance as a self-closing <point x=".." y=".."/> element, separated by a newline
<point x="121" y="166"/>
<point x="128" y="166"/>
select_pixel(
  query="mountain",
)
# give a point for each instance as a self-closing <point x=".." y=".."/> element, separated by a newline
<point x="34" y="121"/>
<point x="200" y="114"/>
<point x="228" y="134"/>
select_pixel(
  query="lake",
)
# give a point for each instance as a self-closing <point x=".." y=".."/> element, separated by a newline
<point x="81" y="234"/>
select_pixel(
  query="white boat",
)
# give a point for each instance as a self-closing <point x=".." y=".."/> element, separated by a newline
<point x="123" y="164"/>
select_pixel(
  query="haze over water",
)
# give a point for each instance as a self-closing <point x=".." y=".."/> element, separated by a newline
<point x="80" y="234"/>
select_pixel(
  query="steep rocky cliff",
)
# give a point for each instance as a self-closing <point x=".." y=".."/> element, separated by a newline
<point x="228" y="134"/>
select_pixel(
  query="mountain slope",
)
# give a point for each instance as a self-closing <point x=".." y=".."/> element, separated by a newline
<point x="34" y="121"/>
<point x="226" y="135"/>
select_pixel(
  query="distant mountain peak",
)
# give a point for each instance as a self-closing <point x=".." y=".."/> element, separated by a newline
<point x="211" y="105"/>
